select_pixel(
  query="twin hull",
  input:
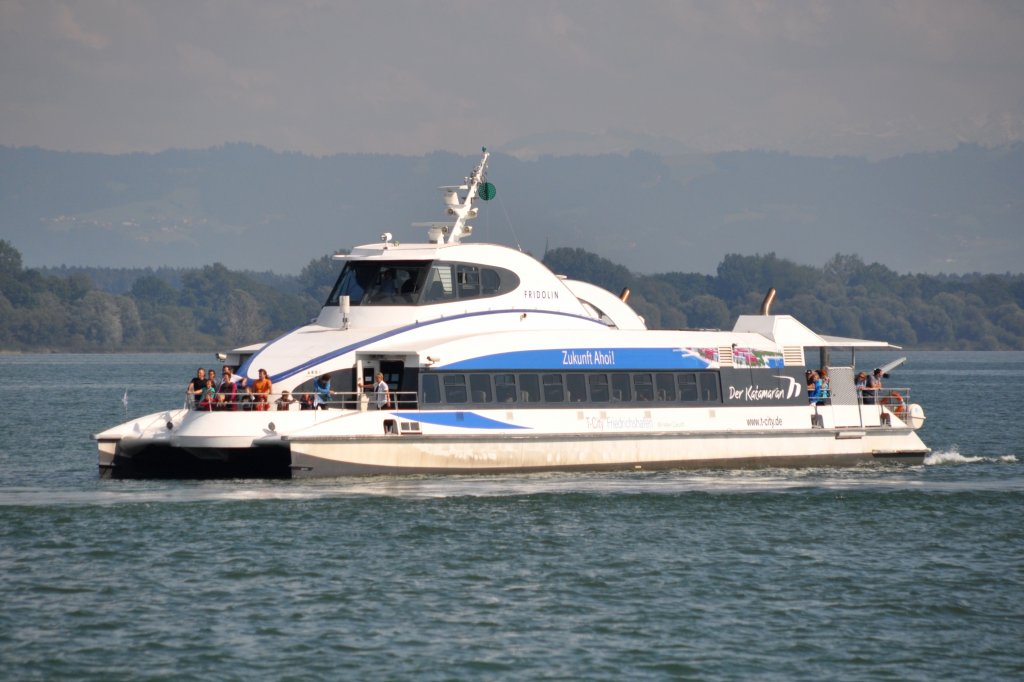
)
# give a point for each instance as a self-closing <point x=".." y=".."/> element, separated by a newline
<point x="338" y="443"/>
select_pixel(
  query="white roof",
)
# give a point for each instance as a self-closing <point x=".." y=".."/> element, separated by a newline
<point x="786" y="330"/>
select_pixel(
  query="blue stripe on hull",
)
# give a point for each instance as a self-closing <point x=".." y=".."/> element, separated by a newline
<point x="465" y="420"/>
<point x="563" y="359"/>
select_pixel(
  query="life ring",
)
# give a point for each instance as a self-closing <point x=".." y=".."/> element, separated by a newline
<point x="895" y="402"/>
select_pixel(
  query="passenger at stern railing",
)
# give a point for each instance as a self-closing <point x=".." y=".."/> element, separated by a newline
<point x="861" y="385"/>
<point x="873" y="385"/>
<point x="814" y="396"/>
<point x="823" y="394"/>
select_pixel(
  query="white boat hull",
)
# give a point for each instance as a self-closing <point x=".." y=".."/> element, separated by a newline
<point x="340" y="443"/>
<point x="513" y="453"/>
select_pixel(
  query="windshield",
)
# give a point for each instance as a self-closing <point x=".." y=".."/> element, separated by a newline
<point x="380" y="283"/>
<point x="418" y="282"/>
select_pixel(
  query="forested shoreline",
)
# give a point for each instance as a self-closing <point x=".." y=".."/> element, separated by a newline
<point x="71" y="309"/>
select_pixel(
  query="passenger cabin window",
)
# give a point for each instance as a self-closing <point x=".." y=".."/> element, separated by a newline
<point x="709" y="387"/>
<point x="577" y="386"/>
<point x="455" y="389"/>
<point x="666" y="387"/>
<point x="599" y="388"/>
<point x="569" y="389"/>
<point x="554" y="390"/>
<point x="431" y="389"/>
<point x="644" y="387"/>
<point x="621" y="392"/>
<point x="529" y="388"/>
<point x="480" y="387"/>
<point x="505" y="388"/>
<point x="688" y="387"/>
<point x="389" y="283"/>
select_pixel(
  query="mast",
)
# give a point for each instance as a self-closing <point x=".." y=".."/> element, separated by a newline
<point x="460" y="207"/>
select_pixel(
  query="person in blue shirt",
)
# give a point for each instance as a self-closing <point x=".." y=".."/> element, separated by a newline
<point x="814" y="395"/>
<point x="322" y="392"/>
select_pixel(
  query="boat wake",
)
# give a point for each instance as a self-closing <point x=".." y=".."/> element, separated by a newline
<point x="954" y="457"/>
<point x="877" y="477"/>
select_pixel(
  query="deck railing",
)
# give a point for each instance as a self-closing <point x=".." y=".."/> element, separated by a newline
<point x="338" y="400"/>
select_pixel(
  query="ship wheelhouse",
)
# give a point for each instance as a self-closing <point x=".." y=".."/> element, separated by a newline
<point x="419" y="282"/>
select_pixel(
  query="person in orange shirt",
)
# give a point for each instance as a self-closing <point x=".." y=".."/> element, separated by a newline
<point x="261" y="387"/>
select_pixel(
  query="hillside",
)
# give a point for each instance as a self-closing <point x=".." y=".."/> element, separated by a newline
<point x="251" y="208"/>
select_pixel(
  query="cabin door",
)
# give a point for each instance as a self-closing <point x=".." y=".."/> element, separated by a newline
<point x="394" y="376"/>
<point x="393" y="373"/>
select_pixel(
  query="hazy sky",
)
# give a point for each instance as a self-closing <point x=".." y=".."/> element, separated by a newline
<point x="854" y="77"/>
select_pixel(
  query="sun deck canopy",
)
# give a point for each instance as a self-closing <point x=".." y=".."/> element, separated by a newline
<point x="786" y="330"/>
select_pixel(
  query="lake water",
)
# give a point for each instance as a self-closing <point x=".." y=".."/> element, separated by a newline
<point x="874" y="572"/>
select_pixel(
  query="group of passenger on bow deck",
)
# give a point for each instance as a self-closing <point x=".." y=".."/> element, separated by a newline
<point x="234" y="392"/>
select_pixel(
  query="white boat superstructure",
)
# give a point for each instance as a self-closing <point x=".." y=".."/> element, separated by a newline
<point x="496" y="364"/>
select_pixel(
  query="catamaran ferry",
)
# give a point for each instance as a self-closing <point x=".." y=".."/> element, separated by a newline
<point x="495" y="364"/>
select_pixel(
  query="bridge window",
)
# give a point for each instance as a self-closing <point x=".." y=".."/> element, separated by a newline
<point x="404" y="282"/>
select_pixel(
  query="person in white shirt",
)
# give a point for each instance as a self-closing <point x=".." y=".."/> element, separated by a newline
<point x="381" y="393"/>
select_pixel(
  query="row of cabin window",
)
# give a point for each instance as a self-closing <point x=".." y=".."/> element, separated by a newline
<point x="573" y="387"/>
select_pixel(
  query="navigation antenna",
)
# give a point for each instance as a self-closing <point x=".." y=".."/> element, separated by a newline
<point x="476" y="186"/>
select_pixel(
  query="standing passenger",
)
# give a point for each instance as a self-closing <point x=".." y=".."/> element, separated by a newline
<point x="862" y="385"/>
<point x="321" y="392"/>
<point x="874" y="385"/>
<point x="194" y="390"/>
<point x="814" y="389"/>
<point x="381" y="393"/>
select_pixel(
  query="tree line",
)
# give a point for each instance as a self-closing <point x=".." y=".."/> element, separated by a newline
<point x="212" y="308"/>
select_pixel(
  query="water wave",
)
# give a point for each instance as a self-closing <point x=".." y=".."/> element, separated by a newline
<point x="874" y="477"/>
<point x="954" y="457"/>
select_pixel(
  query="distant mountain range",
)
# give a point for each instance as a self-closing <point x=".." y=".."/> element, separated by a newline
<point x="251" y="208"/>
